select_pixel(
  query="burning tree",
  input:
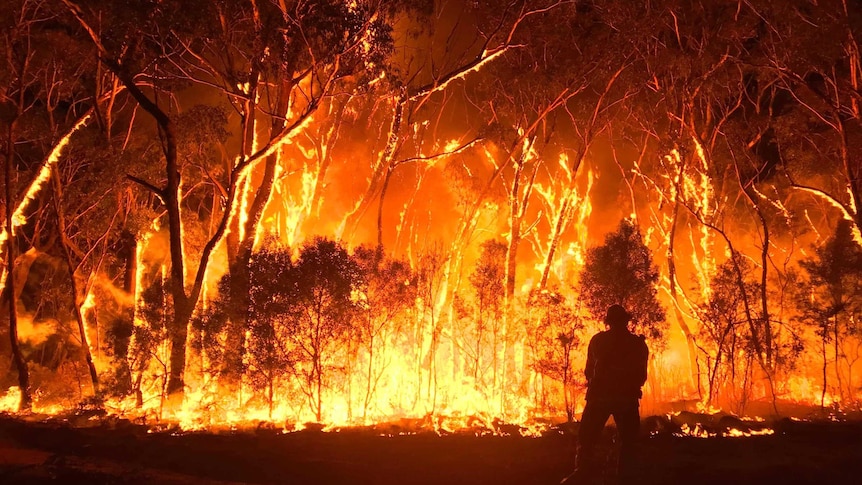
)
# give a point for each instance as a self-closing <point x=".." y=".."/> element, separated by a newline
<point x="45" y="98"/>
<point x="315" y="48"/>
<point x="482" y="341"/>
<point x="724" y="339"/>
<point x="831" y="302"/>
<point x="270" y="357"/>
<point x="323" y="295"/>
<point x="555" y="339"/>
<point x="386" y="297"/>
<point x="152" y="339"/>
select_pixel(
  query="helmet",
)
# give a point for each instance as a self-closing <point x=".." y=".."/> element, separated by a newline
<point x="617" y="315"/>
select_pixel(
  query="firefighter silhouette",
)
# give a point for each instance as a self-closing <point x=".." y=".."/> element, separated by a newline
<point x="616" y="370"/>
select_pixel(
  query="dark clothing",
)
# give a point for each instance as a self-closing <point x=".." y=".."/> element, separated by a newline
<point x="616" y="365"/>
<point x="616" y="369"/>
<point x="593" y="421"/>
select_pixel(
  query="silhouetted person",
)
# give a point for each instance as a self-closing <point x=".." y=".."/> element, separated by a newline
<point x="616" y="370"/>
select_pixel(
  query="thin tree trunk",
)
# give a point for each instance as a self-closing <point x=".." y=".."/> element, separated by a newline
<point x="562" y="221"/>
<point x="20" y="364"/>
<point x="368" y="382"/>
<point x="823" y="353"/>
<point x="836" y="345"/>
<point x="240" y="277"/>
<point x="121" y="354"/>
<point x="71" y="267"/>
<point x="382" y="168"/>
<point x="674" y="284"/>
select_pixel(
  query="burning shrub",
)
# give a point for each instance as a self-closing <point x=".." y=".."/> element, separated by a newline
<point x="555" y="339"/>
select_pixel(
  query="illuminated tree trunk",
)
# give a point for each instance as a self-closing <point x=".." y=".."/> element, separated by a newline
<point x="836" y="346"/>
<point x="183" y="305"/>
<point x="121" y="356"/>
<point x="751" y="321"/>
<point x="824" y="332"/>
<point x="517" y="208"/>
<point x="766" y="324"/>
<point x="367" y="401"/>
<point x="239" y="269"/>
<point x="591" y="127"/>
<point x="383" y="190"/>
<point x="381" y="171"/>
<point x="691" y="341"/>
<point x="324" y="152"/>
<point x="170" y="196"/>
<point x="232" y="365"/>
<point x="563" y="217"/>
<point x="8" y="288"/>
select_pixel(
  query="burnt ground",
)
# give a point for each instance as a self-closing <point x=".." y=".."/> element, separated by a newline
<point x="35" y="451"/>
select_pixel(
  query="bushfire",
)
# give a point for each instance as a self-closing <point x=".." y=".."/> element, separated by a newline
<point x="340" y="214"/>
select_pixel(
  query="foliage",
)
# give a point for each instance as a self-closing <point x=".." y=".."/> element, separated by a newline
<point x="725" y="338"/>
<point x="830" y="300"/>
<point x="834" y="286"/>
<point x="484" y="332"/>
<point x="621" y="271"/>
<point x="270" y="354"/>
<point x="555" y="337"/>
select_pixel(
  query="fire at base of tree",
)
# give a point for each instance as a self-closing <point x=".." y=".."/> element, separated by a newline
<point x="329" y="214"/>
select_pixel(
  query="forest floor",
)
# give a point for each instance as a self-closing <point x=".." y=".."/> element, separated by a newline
<point x="62" y="451"/>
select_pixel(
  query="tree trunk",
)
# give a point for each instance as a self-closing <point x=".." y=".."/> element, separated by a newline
<point x="183" y="308"/>
<point x="823" y="354"/>
<point x="121" y="350"/>
<point x="381" y="169"/>
<point x="562" y="221"/>
<point x="170" y="195"/>
<point x="837" y="347"/>
<point x="20" y="364"/>
<point x="694" y="371"/>
<point x="516" y="213"/>
<point x="368" y="381"/>
<point x="240" y="278"/>
<point x="85" y="344"/>
<point x="72" y="267"/>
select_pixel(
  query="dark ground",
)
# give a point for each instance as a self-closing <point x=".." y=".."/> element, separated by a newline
<point x="57" y="452"/>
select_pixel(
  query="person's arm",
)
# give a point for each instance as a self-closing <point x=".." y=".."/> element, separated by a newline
<point x="643" y="361"/>
<point x="590" y="368"/>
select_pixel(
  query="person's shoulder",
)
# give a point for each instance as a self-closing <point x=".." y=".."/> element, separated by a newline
<point x="600" y="336"/>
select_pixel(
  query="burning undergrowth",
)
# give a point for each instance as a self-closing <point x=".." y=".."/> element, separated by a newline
<point x="681" y="424"/>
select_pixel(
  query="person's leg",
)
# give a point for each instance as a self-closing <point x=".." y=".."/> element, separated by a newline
<point x="593" y="421"/>
<point x="628" y="422"/>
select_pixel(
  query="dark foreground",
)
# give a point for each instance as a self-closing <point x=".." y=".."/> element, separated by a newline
<point x="53" y="452"/>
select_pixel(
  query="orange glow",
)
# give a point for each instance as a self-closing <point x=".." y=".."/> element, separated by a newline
<point x="18" y="217"/>
<point x="431" y="367"/>
<point x="420" y="368"/>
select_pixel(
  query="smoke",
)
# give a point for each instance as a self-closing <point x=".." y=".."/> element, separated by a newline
<point x="35" y="333"/>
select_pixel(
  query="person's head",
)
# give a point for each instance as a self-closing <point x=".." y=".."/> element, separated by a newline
<point x="617" y="316"/>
